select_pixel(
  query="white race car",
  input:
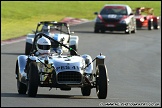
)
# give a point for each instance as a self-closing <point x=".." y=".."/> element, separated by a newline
<point x="57" y="30"/>
<point x="57" y="70"/>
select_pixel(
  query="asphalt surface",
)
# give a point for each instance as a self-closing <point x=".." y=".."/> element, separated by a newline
<point x="133" y="62"/>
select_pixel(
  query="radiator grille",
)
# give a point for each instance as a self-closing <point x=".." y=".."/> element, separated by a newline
<point x="111" y="20"/>
<point x="69" y="77"/>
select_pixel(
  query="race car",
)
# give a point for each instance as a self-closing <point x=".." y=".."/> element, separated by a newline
<point x="115" y="17"/>
<point x="60" y="31"/>
<point x="44" y="68"/>
<point x="146" y="18"/>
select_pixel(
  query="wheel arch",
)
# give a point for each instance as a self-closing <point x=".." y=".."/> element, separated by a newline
<point x="20" y="67"/>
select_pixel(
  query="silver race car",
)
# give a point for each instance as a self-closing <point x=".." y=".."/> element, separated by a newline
<point x="57" y="30"/>
<point x="45" y="68"/>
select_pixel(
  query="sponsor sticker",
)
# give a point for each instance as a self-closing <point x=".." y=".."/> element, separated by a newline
<point x="67" y="68"/>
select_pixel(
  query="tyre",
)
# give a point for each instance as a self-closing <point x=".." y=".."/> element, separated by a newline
<point x="33" y="81"/>
<point x="156" y="26"/>
<point x="73" y="47"/>
<point x="101" y="81"/>
<point x="96" y="31"/>
<point x="129" y="31"/>
<point x="86" y="91"/>
<point x="102" y="31"/>
<point x="150" y="25"/>
<point x="28" y="47"/>
<point x="21" y="88"/>
<point x="134" y="31"/>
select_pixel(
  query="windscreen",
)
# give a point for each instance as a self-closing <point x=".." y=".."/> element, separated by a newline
<point x="119" y="10"/>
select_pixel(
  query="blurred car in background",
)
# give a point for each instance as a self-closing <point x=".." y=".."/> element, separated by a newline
<point x="60" y="31"/>
<point x="146" y="18"/>
<point x="115" y="17"/>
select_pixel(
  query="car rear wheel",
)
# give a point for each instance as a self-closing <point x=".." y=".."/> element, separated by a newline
<point x="156" y="26"/>
<point x="33" y="79"/>
<point x="73" y="47"/>
<point x="101" y="81"/>
<point x="96" y="31"/>
<point x="150" y="25"/>
<point x="86" y="91"/>
<point x="134" y="30"/>
<point x="28" y="47"/>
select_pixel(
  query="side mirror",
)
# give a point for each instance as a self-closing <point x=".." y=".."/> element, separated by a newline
<point x="96" y="13"/>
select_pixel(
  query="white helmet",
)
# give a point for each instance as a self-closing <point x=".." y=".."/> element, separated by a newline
<point x="43" y="45"/>
<point x="46" y="29"/>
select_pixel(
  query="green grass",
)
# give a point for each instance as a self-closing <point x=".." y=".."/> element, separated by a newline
<point x="21" y="17"/>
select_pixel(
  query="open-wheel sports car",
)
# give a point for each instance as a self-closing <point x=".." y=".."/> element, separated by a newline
<point x="146" y="18"/>
<point x="115" y="17"/>
<point x="44" y="68"/>
<point x="60" y="31"/>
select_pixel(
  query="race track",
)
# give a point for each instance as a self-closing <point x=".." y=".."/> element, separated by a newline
<point x="133" y="62"/>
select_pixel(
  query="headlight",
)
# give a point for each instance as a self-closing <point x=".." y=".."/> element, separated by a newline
<point x="142" y="19"/>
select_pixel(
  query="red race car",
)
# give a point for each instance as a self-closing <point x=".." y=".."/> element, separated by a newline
<point x="145" y="18"/>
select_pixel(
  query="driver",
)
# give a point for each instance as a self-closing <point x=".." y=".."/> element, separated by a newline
<point x="43" y="46"/>
<point x="46" y="29"/>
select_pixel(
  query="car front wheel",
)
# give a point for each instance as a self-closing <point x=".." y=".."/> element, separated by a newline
<point x="21" y="88"/>
<point x="96" y="31"/>
<point x="33" y="79"/>
<point x="128" y="31"/>
<point x="101" y="81"/>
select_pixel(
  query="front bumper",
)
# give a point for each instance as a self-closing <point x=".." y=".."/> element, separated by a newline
<point x="116" y="27"/>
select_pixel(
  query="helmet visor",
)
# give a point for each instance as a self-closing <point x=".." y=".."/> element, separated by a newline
<point x="44" y="47"/>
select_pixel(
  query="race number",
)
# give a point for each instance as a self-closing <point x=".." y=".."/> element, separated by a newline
<point x="111" y="16"/>
<point x="67" y="68"/>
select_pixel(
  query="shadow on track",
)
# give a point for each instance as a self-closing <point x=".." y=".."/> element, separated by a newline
<point x="47" y="96"/>
<point x="12" y="53"/>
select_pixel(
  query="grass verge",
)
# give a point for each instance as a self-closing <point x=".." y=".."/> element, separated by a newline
<point x="20" y="17"/>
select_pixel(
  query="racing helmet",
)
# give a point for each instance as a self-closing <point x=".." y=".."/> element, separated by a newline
<point x="43" y="45"/>
<point x="45" y="29"/>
